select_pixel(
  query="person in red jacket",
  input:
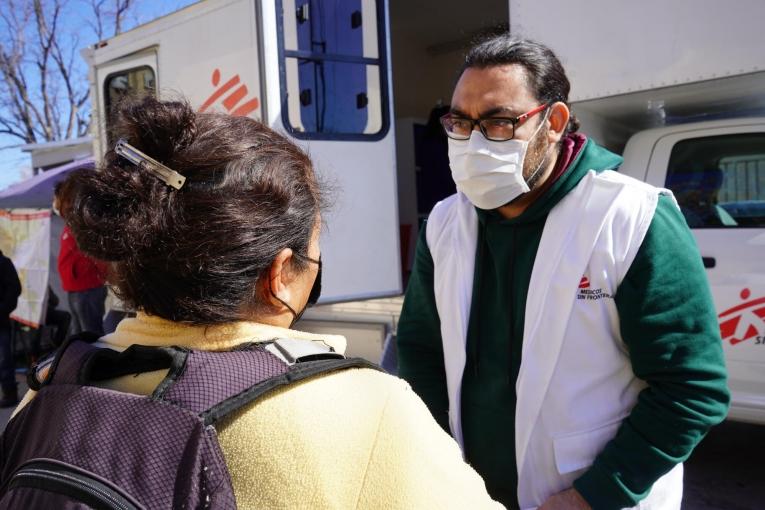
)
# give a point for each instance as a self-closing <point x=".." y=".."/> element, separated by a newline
<point x="82" y="277"/>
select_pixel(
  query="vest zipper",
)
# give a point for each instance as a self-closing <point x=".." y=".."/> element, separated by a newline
<point x="61" y="478"/>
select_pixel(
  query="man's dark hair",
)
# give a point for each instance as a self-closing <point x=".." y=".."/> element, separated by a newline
<point x="64" y="192"/>
<point x="546" y="76"/>
<point x="195" y="254"/>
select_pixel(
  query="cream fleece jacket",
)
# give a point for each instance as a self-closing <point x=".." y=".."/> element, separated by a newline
<point x="351" y="439"/>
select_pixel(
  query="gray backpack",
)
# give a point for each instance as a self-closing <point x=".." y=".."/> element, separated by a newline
<point x="76" y="446"/>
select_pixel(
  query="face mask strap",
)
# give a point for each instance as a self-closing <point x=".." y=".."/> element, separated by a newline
<point x="308" y="259"/>
<point x="311" y="298"/>
<point x="541" y="163"/>
<point x="544" y="119"/>
<point x="295" y="315"/>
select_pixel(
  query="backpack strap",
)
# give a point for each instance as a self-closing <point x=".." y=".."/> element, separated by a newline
<point x="215" y="384"/>
<point x="210" y="384"/>
<point x="79" y="362"/>
<point x="108" y="364"/>
<point x="297" y="372"/>
<point x="63" y="366"/>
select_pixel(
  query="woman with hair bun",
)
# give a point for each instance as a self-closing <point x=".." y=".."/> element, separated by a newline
<point x="210" y="227"/>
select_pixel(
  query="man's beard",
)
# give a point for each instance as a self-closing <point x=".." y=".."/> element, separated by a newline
<point x="536" y="157"/>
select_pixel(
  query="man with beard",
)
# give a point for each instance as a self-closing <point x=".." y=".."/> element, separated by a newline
<point x="558" y="320"/>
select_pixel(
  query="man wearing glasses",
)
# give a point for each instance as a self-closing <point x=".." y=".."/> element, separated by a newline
<point x="558" y="321"/>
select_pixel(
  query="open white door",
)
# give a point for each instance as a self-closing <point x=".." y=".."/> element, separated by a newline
<point x="329" y="91"/>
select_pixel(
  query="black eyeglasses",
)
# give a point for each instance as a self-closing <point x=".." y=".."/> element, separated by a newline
<point x="496" y="129"/>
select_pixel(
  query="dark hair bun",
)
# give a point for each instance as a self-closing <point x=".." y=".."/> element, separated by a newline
<point x="116" y="211"/>
<point x="161" y="129"/>
<point x="194" y="254"/>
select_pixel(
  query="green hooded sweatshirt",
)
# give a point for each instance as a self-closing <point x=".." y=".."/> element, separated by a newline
<point x="667" y="321"/>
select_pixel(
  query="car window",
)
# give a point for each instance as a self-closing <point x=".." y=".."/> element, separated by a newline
<point x="133" y="82"/>
<point x="719" y="181"/>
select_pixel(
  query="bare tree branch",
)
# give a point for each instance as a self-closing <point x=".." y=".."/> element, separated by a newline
<point x="121" y="8"/>
<point x="18" y="104"/>
<point x="21" y="107"/>
<point x="97" y="23"/>
<point x="102" y="16"/>
<point x="9" y="128"/>
<point x="45" y="36"/>
<point x="64" y="65"/>
<point x="43" y="86"/>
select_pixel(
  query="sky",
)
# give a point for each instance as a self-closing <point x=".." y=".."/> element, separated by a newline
<point x="15" y="165"/>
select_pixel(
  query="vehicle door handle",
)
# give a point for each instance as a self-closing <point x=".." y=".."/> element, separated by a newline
<point x="709" y="262"/>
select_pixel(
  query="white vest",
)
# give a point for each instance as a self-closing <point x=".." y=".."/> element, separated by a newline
<point x="575" y="384"/>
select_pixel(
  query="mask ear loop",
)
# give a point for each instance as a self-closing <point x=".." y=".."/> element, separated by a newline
<point x="541" y="163"/>
<point x="315" y="294"/>
<point x="295" y="316"/>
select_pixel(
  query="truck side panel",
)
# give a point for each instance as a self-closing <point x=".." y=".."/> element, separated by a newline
<point x="615" y="47"/>
<point x="210" y="53"/>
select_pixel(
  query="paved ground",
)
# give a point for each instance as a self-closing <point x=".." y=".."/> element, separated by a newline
<point x="726" y="472"/>
<point x="5" y="414"/>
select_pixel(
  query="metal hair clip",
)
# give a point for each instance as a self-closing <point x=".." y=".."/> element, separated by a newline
<point x="138" y="158"/>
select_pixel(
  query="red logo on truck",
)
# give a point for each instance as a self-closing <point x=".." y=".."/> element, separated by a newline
<point x="233" y="101"/>
<point x="745" y="321"/>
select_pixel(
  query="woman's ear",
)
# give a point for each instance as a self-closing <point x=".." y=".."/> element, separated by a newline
<point x="279" y="278"/>
<point x="559" y="115"/>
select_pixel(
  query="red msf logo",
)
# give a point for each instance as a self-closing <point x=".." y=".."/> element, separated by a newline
<point x="745" y="321"/>
<point x="233" y="101"/>
<point x="584" y="292"/>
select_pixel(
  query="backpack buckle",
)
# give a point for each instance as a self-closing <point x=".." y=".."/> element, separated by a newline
<point x="292" y="351"/>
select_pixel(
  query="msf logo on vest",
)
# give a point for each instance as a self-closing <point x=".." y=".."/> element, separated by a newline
<point x="744" y="322"/>
<point x="585" y="292"/>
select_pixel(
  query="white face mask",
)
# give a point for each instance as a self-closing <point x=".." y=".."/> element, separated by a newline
<point x="490" y="174"/>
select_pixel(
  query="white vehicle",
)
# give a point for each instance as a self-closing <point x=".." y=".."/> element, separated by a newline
<point x="657" y="79"/>
<point x="678" y="87"/>
<point x="717" y="171"/>
<point x="261" y="59"/>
